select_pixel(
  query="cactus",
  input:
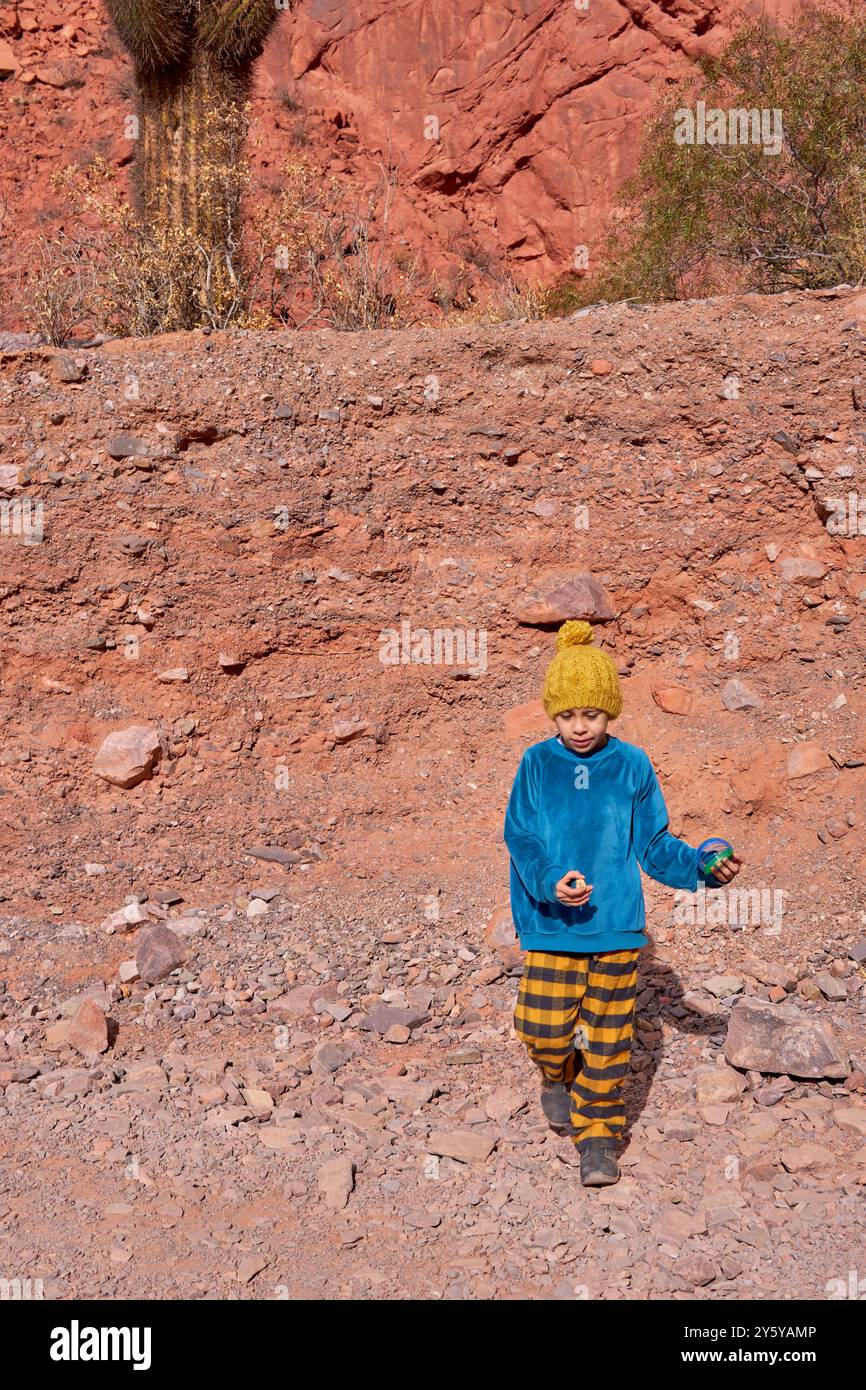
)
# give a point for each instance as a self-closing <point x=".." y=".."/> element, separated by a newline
<point x="193" y="66"/>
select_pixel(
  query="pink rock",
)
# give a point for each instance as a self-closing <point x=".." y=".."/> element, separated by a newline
<point x="696" y="1269"/>
<point x="9" y="64"/>
<point x="299" y="1001"/>
<point x="714" y="1114"/>
<point x="158" y="952"/>
<point x="145" y="1076"/>
<point x="801" y="570"/>
<point x="735" y="695"/>
<point x="87" y="1030"/>
<point x="464" y="1145"/>
<point x="805" y="758"/>
<point x="281" y="1137"/>
<point x="128" y="756"/>
<point x="678" y="1224"/>
<point x="851" y="1118"/>
<point x="347" y="729"/>
<point x="98" y="994"/>
<point x="500" y="936"/>
<point x="329" y="1057"/>
<point x="335" y="1180"/>
<point x="718" y="1085"/>
<point x="781" y="1039"/>
<point x="249" y="1268"/>
<point x="673" y="699"/>
<point x="579" y="597"/>
<point x="397" y="1033"/>
<point x="231" y="661"/>
<point x="407" y="1095"/>
<point x="504" y="1103"/>
<point x="781" y="976"/>
<point x="801" y="1157"/>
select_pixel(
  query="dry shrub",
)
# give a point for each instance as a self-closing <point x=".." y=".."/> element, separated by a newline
<point x="509" y="301"/>
<point x="59" y="289"/>
<point x="334" y="263"/>
<point x="316" y="253"/>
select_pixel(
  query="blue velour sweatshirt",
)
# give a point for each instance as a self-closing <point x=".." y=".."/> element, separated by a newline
<point x="603" y="814"/>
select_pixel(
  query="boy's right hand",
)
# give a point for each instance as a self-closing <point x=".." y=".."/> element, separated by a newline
<point x="573" y="893"/>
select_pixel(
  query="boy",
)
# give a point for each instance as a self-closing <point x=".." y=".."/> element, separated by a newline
<point x="586" y="798"/>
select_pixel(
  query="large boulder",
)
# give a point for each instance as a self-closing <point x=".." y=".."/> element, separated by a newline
<point x="580" y="597"/>
<point x="781" y="1039"/>
<point x="158" y="952"/>
<point x="128" y="756"/>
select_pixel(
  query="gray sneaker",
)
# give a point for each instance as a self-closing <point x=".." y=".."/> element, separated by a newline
<point x="598" y="1165"/>
<point x="556" y="1104"/>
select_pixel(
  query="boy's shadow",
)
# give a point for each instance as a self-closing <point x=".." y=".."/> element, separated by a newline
<point x="665" y="1006"/>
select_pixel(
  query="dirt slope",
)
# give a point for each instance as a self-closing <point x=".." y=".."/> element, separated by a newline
<point x="296" y="497"/>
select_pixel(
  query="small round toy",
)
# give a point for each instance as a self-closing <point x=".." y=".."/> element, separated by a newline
<point x="712" y="853"/>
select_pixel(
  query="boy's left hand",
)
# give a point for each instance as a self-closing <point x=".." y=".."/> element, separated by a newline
<point x="728" y="869"/>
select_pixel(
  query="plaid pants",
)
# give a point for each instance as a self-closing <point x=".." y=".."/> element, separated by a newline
<point x="569" y="1004"/>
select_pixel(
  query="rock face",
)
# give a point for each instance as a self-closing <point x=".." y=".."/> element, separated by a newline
<point x="510" y="126"/>
<point x="781" y="1039"/>
<point x="128" y="756"/>
<point x="500" y="117"/>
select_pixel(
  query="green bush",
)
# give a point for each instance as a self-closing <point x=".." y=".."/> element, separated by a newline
<point x="709" y="217"/>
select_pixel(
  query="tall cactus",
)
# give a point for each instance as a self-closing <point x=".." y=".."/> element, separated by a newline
<point x="193" y="67"/>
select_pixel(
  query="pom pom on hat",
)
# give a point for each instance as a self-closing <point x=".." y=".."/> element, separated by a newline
<point x="581" y="675"/>
<point x="573" y="634"/>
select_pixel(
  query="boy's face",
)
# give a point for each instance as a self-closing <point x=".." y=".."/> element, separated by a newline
<point x="582" y="730"/>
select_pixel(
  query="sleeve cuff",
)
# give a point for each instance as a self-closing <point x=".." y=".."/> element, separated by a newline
<point x="550" y="880"/>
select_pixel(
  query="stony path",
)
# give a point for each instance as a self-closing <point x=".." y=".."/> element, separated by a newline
<point x="286" y="1149"/>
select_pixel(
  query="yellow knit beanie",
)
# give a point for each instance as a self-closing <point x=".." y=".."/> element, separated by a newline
<point x="580" y="676"/>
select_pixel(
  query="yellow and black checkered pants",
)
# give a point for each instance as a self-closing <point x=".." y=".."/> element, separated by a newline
<point x="576" y="1016"/>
